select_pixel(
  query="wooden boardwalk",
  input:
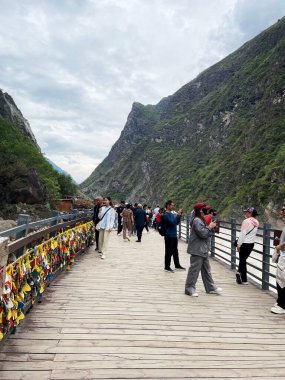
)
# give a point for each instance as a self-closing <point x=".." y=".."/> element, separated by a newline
<point x="125" y="318"/>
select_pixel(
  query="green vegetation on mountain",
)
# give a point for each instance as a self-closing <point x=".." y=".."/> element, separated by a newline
<point x="220" y="138"/>
<point x="25" y="175"/>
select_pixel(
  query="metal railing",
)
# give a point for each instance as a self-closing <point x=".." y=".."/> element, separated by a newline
<point x="24" y="226"/>
<point x="260" y="268"/>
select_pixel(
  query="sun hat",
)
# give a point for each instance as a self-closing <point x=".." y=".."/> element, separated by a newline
<point x="198" y="206"/>
<point x="252" y="210"/>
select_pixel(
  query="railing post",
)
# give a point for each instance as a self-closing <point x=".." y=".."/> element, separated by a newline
<point x="187" y="229"/>
<point x="55" y="213"/>
<point x="266" y="256"/>
<point x="233" y="248"/>
<point x="213" y="246"/>
<point x="179" y="230"/>
<point x="74" y="212"/>
<point x="3" y="261"/>
<point x="22" y="219"/>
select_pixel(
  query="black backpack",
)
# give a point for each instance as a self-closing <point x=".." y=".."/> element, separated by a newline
<point x="161" y="227"/>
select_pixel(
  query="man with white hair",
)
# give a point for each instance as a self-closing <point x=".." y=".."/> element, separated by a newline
<point x="140" y="221"/>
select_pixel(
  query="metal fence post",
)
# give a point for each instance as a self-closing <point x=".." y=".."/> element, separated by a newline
<point x="233" y="248"/>
<point x="266" y="256"/>
<point x="74" y="212"/>
<point x="22" y="219"/>
<point x="213" y="246"/>
<point x="187" y="229"/>
<point x="55" y="213"/>
<point x="3" y="261"/>
<point x="179" y="230"/>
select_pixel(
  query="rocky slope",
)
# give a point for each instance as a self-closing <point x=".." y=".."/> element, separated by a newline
<point x="25" y="175"/>
<point x="10" y="112"/>
<point x="220" y="138"/>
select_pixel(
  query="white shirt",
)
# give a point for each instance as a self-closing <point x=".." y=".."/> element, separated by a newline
<point x="109" y="217"/>
<point x="248" y="231"/>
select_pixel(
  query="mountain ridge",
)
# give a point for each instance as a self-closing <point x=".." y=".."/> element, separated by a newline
<point x="189" y="144"/>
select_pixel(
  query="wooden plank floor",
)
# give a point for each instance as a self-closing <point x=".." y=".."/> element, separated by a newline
<point x="125" y="318"/>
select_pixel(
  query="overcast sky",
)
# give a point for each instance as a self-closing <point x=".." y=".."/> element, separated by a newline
<point x="74" y="67"/>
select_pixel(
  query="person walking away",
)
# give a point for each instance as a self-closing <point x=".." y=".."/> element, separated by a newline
<point x="140" y="221"/>
<point x="158" y="216"/>
<point x="134" y="210"/>
<point x="170" y="220"/>
<point x="198" y="249"/>
<point x="155" y="211"/>
<point x="279" y="307"/>
<point x="245" y="243"/>
<point x="119" y="212"/>
<point x="105" y="226"/>
<point x="147" y="218"/>
<point x="128" y="221"/>
<point x="98" y="204"/>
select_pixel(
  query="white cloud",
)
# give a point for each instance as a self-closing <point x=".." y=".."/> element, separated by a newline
<point x="74" y="67"/>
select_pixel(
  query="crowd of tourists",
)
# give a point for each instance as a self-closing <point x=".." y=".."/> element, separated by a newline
<point x="130" y="220"/>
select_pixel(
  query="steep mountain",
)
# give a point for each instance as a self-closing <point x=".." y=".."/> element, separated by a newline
<point x="25" y="175"/>
<point x="10" y="112"/>
<point x="220" y="138"/>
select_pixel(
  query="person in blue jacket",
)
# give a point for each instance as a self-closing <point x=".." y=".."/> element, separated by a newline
<point x="170" y="220"/>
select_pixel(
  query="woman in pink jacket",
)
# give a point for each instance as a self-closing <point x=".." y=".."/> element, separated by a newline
<point x="245" y="243"/>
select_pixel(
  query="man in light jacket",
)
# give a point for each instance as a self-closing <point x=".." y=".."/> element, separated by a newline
<point x="105" y="225"/>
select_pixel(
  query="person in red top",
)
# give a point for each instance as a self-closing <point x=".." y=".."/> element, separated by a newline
<point x="158" y="216"/>
<point x="211" y="212"/>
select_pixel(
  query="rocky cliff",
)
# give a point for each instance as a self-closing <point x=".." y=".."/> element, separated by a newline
<point x="220" y="138"/>
<point x="9" y="111"/>
<point x="25" y="175"/>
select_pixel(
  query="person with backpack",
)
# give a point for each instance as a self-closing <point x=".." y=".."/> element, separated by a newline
<point x="128" y="221"/>
<point x="105" y="225"/>
<point x="198" y="249"/>
<point x="168" y="228"/>
<point x="245" y="243"/>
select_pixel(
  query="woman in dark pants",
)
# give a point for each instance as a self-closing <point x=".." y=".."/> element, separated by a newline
<point x="245" y="243"/>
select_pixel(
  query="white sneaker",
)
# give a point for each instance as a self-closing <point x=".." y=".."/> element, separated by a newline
<point x="216" y="291"/>
<point x="277" y="310"/>
<point x="195" y="294"/>
<point x="103" y="257"/>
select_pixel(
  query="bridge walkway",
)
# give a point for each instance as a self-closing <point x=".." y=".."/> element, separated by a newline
<point x="124" y="317"/>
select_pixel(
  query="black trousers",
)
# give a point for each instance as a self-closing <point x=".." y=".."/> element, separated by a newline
<point x="120" y="226"/>
<point x="139" y="232"/>
<point x="281" y="296"/>
<point x="171" y="249"/>
<point x="245" y="251"/>
<point x="97" y="238"/>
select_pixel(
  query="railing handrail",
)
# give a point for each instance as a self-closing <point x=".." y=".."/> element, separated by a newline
<point x="42" y="222"/>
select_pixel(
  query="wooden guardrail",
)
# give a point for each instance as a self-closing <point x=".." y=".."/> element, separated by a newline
<point x="48" y="252"/>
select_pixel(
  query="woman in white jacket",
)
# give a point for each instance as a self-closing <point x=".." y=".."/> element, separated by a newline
<point x="245" y="243"/>
<point x="105" y="225"/>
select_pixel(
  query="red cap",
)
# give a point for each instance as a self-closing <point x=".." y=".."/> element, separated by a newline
<point x="198" y="206"/>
